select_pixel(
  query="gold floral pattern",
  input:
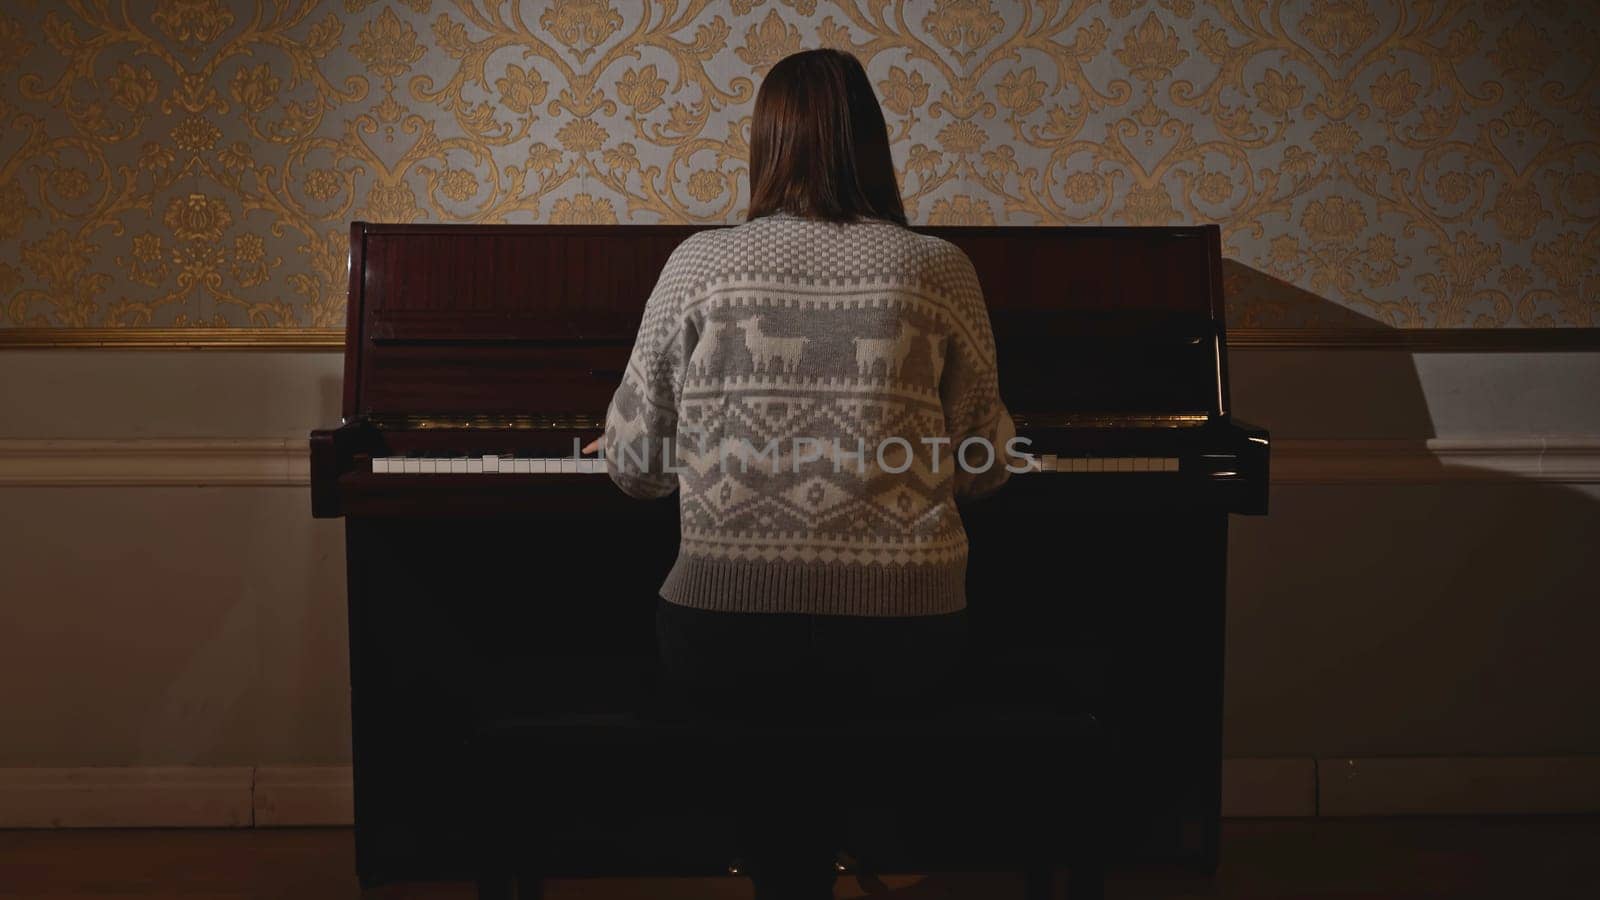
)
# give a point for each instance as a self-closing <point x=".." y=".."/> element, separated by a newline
<point x="192" y="21"/>
<point x="1422" y="163"/>
<point x="197" y="218"/>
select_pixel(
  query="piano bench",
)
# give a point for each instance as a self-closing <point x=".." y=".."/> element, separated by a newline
<point x="972" y="786"/>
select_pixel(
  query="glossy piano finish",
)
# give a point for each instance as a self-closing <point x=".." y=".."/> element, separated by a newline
<point x="485" y="320"/>
<point x="455" y="323"/>
<point x="474" y="596"/>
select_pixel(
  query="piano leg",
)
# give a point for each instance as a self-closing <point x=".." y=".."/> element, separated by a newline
<point x="510" y="887"/>
<point x="1039" y="883"/>
<point x="497" y="887"/>
<point x="1086" y="880"/>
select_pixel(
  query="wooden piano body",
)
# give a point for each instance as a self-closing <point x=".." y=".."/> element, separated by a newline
<point x="475" y="595"/>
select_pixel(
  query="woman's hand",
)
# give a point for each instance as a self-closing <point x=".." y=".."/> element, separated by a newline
<point x="594" y="445"/>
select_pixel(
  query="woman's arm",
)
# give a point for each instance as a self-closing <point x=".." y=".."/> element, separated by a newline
<point x="969" y="386"/>
<point x="642" y="420"/>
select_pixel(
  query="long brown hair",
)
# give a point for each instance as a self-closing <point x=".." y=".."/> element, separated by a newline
<point x="818" y="144"/>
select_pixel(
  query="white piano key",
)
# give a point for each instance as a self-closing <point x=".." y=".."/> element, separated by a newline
<point x="1048" y="462"/>
<point x="521" y="466"/>
<point x="568" y="466"/>
<point x="1170" y="464"/>
<point x="474" y="466"/>
<point x="1079" y="464"/>
<point x="491" y="462"/>
<point x="380" y="465"/>
<point x="429" y="465"/>
<point x="1124" y="464"/>
<point x="413" y="465"/>
<point x="1096" y="464"/>
<point x="1141" y="463"/>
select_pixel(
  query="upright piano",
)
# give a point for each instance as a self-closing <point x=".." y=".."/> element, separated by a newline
<point x="481" y="579"/>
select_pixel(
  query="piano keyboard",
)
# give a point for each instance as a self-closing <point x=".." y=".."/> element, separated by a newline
<point x="487" y="464"/>
<point x="522" y="465"/>
<point x="1100" y="465"/>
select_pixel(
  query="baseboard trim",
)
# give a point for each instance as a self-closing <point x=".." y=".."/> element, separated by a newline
<point x="127" y="797"/>
<point x="1458" y="786"/>
<point x="284" y="462"/>
<point x="303" y="795"/>
<point x="1276" y="787"/>
<point x="1269" y="787"/>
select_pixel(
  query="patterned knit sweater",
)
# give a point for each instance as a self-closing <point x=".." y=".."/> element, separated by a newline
<point x="805" y="385"/>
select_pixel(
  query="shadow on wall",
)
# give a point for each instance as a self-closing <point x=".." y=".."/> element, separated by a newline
<point x="1377" y="612"/>
<point x="1335" y="393"/>
<point x="330" y="390"/>
<point x="1256" y="299"/>
<point x="1424" y="618"/>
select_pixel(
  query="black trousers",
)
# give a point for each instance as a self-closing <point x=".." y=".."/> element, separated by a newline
<point x="797" y="667"/>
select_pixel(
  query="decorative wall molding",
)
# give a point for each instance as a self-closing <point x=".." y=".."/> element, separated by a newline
<point x="1413" y="340"/>
<point x="1574" y="460"/>
<point x="172" y="338"/>
<point x="1419" y="340"/>
<point x="177" y="462"/>
<point x="283" y="796"/>
<point x="284" y="462"/>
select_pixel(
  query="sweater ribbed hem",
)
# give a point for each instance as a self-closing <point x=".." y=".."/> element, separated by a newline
<point x="815" y="588"/>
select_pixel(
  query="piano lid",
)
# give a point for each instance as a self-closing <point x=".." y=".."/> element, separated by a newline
<point x="458" y="321"/>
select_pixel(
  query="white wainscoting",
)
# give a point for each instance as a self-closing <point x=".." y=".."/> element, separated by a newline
<point x="202" y="462"/>
<point x="245" y="796"/>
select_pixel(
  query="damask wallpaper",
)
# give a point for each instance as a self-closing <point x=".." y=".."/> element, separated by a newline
<point x="1414" y="163"/>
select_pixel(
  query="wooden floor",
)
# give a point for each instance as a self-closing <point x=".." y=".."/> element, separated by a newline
<point x="1502" y="858"/>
